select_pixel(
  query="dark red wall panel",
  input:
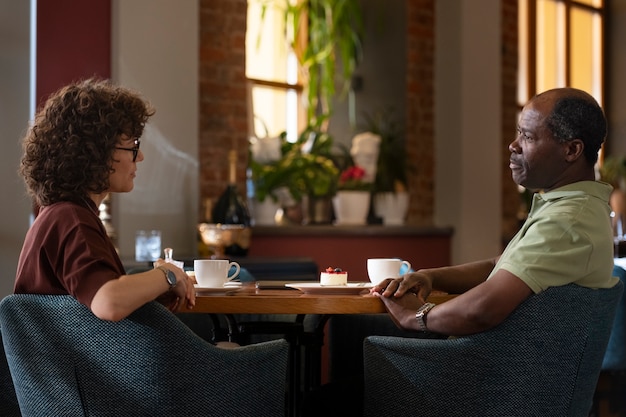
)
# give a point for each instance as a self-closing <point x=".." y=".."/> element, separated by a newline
<point x="73" y="42"/>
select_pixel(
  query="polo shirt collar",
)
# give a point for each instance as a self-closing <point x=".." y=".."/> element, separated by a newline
<point x="596" y="189"/>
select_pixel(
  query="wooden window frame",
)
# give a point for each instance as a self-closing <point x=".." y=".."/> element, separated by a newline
<point x="531" y="48"/>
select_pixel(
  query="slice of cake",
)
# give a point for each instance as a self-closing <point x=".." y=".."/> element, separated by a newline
<point x="334" y="276"/>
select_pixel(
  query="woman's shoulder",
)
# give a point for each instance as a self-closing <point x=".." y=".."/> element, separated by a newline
<point x="67" y="212"/>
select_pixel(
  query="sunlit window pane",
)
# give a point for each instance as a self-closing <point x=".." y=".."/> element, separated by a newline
<point x="550" y="45"/>
<point x="553" y="46"/>
<point x="266" y="49"/>
<point x="593" y="3"/>
<point x="275" y="109"/>
<point x="270" y="111"/>
<point x="522" y="62"/>
<point x="585" y="65"/>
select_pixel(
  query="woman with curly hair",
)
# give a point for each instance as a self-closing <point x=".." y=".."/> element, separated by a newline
<point x="83" y="145"/>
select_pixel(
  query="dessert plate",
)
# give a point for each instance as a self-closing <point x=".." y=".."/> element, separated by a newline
<point x="352" y="288"/>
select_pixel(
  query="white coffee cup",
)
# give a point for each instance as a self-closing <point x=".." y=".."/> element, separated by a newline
<point x="379" y="269"/>
<point x="213" y="273"/>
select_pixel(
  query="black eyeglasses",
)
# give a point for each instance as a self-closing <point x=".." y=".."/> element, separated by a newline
<point x="134" y="149"/>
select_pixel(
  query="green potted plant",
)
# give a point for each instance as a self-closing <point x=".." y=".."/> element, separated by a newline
<point x="267" y="172"/>
<point x="391" y="169"/>
<point x="613" y="171"/>
<point x="303" y="172"/>
<point x="320" y="32"/>
<point x="391" y="199"/>
<point x="268" y="177"/>
<point x="314" y="173"/>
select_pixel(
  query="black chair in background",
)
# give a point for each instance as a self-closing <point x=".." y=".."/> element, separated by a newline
<point x="8" y="399"/>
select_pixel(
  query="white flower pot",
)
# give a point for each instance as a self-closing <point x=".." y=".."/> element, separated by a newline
<point x="264" y="212"/>
<point x="351" y="207"/>
<point x="392" y="207"/>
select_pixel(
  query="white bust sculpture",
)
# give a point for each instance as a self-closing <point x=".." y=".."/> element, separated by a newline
<point x="364" y="152"/>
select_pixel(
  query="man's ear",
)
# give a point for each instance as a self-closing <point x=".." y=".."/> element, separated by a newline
<point x="573" y="149"/>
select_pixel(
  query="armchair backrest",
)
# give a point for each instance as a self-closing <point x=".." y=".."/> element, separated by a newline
<point x="544" y="360"/>
<point x="615" y="356"/>
<point x="66" y="362"/>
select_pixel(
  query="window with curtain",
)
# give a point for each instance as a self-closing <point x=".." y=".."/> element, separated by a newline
<point x="561" y="44"/>
<point x="272" y="73"/>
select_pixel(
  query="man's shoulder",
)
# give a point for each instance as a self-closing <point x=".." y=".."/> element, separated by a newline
<point x="596" y="189"/>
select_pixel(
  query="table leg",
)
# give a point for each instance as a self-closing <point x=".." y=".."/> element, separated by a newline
<point x="313" y="354"/>
<point x="218" y="333"/>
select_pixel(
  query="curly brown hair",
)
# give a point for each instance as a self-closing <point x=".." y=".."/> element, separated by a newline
<point x="68" y="150"/>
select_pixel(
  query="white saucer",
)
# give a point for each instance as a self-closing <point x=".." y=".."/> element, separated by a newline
<point x="228" y="287"/>
<point x="352" y="288"/>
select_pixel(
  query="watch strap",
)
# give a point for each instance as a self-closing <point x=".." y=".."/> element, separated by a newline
<point x="420" y="316"/>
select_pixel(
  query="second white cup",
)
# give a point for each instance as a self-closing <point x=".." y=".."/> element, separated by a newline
<point x="379" y="269"/>
<point x="213" y="273"/>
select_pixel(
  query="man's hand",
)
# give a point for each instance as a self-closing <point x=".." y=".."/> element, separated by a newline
<point x="416" y="283"/>
<point x="402" y="310"/>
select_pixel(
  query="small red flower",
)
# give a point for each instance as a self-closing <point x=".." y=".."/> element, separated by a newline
<point x="352" y="179"/>
<point x="354" y="173"/>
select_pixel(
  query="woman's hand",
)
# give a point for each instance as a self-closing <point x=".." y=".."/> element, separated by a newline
<point x="183" y="290"/>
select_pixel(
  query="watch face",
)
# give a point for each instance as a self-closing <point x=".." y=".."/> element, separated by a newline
<point x="171" y="278"/>
<point x="424" y="308"/>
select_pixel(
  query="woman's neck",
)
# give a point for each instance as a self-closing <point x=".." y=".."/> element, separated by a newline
<point x="98" y="198"/>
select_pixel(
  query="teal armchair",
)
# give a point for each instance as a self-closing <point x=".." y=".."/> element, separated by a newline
<point x="64" y="361"/>
<point x="544" y="360"/>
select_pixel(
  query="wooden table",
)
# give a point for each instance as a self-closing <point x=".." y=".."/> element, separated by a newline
<point x="250" y="300"/>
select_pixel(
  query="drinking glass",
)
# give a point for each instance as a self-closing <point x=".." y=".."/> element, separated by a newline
<point x="147" y="245"/>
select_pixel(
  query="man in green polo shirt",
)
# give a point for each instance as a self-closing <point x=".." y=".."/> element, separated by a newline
<point x="566" y="239"/>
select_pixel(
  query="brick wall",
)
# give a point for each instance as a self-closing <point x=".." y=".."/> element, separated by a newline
<point x="510" y="194"/>
<point x="223" y="118"/>
<point x="223" y="109"/>
<point x="420" y="121"/>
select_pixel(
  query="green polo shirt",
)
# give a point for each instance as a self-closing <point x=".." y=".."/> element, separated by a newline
<point x="567" y="238"/>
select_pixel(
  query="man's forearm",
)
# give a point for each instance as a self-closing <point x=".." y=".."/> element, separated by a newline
<point x="459" y="278"/>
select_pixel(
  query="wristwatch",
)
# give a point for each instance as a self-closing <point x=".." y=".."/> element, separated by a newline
<point x="420" y="316"/>
<point x="170" y="277"/>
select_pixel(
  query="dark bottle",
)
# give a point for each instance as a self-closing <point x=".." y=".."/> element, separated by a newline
<point x="231" y="211"/>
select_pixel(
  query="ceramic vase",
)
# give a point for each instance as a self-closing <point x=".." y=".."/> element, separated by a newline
<point x="317" y="210"/>
<point x="264" y="212"/>
<point x="351" y="207"/>
<point x="391" y="207"/>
